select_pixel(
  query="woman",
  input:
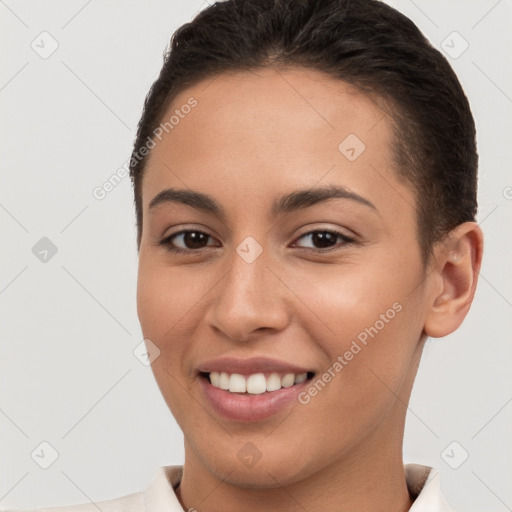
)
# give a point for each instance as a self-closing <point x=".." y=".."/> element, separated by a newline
<point x="305" y="188"/>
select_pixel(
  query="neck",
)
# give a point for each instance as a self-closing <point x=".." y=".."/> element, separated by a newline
<point x="368" y="479"/>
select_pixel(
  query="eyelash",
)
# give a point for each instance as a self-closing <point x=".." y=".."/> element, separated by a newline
<point x="167" y="241"/>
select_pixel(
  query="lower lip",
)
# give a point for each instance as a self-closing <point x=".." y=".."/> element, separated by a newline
<point x="247" y="407"/>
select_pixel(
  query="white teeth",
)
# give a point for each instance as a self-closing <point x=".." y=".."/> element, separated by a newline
<point x="237" y="383"/>
<point x="273" y="382"/>
<point x="223" y="381"/>
<point x="300" y="377"/>
<point x="254" y="384"/>
<point x="288" y="380"/>
<point x="215" y="379"/>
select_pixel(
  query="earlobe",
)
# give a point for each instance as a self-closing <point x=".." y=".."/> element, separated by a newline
<point x="458" y="259"/>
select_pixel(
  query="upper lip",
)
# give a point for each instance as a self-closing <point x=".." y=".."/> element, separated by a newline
<point x="249" y="366"/>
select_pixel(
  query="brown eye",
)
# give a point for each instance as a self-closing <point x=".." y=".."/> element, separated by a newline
<point x="325" y="240"/>
<point x="186" y="241"/>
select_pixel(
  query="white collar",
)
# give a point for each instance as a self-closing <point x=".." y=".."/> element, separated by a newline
<point x="422" y="482"/>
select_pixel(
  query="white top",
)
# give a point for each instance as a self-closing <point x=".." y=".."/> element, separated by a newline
<point x="422" y="482"/>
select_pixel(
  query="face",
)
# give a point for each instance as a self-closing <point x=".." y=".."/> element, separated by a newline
<point x="302" y="259"/>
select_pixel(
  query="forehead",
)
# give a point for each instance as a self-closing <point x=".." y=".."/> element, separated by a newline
<point x="272" y="128"/>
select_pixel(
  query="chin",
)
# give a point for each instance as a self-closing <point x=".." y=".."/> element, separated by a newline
<point x="241" y="463"/>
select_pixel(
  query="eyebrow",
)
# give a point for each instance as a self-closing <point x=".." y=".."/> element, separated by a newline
<point x="293" y="201"/>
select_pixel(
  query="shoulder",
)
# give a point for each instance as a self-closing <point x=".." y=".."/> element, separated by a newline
<point x="130" y="503"/>
<point x="158" y="496"/>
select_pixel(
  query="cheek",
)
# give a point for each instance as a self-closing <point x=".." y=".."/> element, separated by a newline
<point x="367" y="324"/>
<point x="165" y="296"/>
<point x="165" y="305"/>
<point x="347" y="299"/>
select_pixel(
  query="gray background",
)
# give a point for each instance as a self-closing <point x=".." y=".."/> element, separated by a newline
<point x="69" y="325"/>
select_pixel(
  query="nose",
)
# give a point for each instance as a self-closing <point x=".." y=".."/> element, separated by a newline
<point x="249" y="299"/>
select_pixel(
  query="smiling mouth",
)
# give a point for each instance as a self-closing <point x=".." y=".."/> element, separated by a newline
<point x="255" y="383"/>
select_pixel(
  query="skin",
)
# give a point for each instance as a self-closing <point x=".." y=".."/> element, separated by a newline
<point x="253" y="137"/>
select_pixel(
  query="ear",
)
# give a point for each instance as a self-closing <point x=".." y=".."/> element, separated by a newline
<point x="456" y="265"/>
